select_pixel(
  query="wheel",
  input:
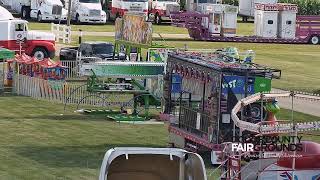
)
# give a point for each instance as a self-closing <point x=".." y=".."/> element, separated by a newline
<point x="39" y="17"/>
<point x="40" y="53"/>
<point x="314" y="39"/>
<point x="157" y="19"/>
<point x="107" y="17"/>
<point x="25" y="13"/>
<point x="78" y="19"/>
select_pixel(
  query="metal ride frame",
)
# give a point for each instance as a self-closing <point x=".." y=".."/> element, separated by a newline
<point x="124" y="70"/>
<point x="208" y="137"/>
<point x="233" y="160"/>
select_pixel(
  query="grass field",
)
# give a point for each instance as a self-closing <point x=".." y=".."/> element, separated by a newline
<point x="243" y="28"/>
<point x="299" y="63"/>
<point x="108" y="28"/>
<point x="40" y="141"/>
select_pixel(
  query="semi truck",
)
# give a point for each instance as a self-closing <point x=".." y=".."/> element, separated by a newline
<point x="160" y="10"/>
<point x="87" y="11"/>
<point x="117" y="8"/>
<point x="41" y="10"/>
<point x="247" y="7"/>
<point x="14" y="35"/>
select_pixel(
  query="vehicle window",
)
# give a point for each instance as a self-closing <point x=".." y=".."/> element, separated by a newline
<point x="270" y="21"/>
<point x="102" y="48"/>
<point x="289" y="22"/>
<point x="89" y="1"/>
<point x="19" y="27"/>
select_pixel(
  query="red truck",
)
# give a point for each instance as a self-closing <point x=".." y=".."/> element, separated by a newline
<point x="14" y="35"/>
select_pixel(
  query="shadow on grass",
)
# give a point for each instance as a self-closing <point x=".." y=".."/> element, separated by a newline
<point x="70" y="156"/>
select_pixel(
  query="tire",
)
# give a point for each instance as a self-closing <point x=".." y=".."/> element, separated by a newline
<point x="40" y="53"/>
<point x="107" y="17"/>
<point x="157" y="19"/>
<point x="244" y="19"/>
<point x="315" y="40"/>
<point x="78" y="19"/>
<point x="39" y="17"/>
<point x="25" y="12"/>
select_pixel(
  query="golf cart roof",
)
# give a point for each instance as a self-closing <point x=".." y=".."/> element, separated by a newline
<point x="139" y="163"/>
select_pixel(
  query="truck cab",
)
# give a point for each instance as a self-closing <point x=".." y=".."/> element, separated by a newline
<point x="117" y="8"/>
<point x="48" y="10"/>
<point x="88" y="11"/>
<point x="45" y="10"/>
<point x="14" y="35"/>
<point x="160" y="10"/>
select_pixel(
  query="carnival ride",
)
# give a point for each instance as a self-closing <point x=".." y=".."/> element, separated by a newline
<point x="271" y="162"/>
<point x="127" y="88"/>
<point x="211" y="83"/>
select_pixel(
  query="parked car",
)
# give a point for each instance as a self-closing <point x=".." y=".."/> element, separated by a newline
<point x="103" y="50"/>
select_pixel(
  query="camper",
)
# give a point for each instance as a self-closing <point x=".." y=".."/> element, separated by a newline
<point x="14" y="35"/>
<point x="41" y="10"/>
<point x="117" y="8"/>
<point x="247" y="7"/>
<point x="87" y="11"/>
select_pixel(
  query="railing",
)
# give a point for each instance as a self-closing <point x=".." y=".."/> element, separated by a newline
<point x="72" y="71"/>
<point x="62" y="32"/>
<point x="194" y="121"/>
<point x="68" y="93"/>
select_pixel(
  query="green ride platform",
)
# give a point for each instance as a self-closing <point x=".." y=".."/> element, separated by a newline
<point x="126" y="118"/>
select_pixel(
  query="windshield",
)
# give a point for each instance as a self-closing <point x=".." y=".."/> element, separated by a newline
<point x="102" y="48"/>
<point x="89" y="1"/>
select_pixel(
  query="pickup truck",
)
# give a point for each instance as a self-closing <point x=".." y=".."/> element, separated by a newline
<point x="103" y="50"/>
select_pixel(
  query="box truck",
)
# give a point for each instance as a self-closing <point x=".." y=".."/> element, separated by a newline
<point x="14" y="35"/>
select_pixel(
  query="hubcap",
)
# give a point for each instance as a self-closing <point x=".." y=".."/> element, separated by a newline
<point x="315" y="40"/>
<point x="39" y="55"/>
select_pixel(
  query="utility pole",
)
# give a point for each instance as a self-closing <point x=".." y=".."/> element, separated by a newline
<point x="69" y="13"/>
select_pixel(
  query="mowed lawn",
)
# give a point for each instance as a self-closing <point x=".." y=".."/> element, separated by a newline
<point x="299" y="63"/>
<point x="165" y="28"/>
<point x="243" y="28"/>
<point x="40" y="141"/>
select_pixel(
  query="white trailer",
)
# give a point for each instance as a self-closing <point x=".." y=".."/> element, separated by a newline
<point x="222" y="20"/>
<point x="266" y="20"/>
<point x="247" y="7"/>
<point x="42" y="10"/>
<point x="88" y="11"/>
<point x="287" y="21"/>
